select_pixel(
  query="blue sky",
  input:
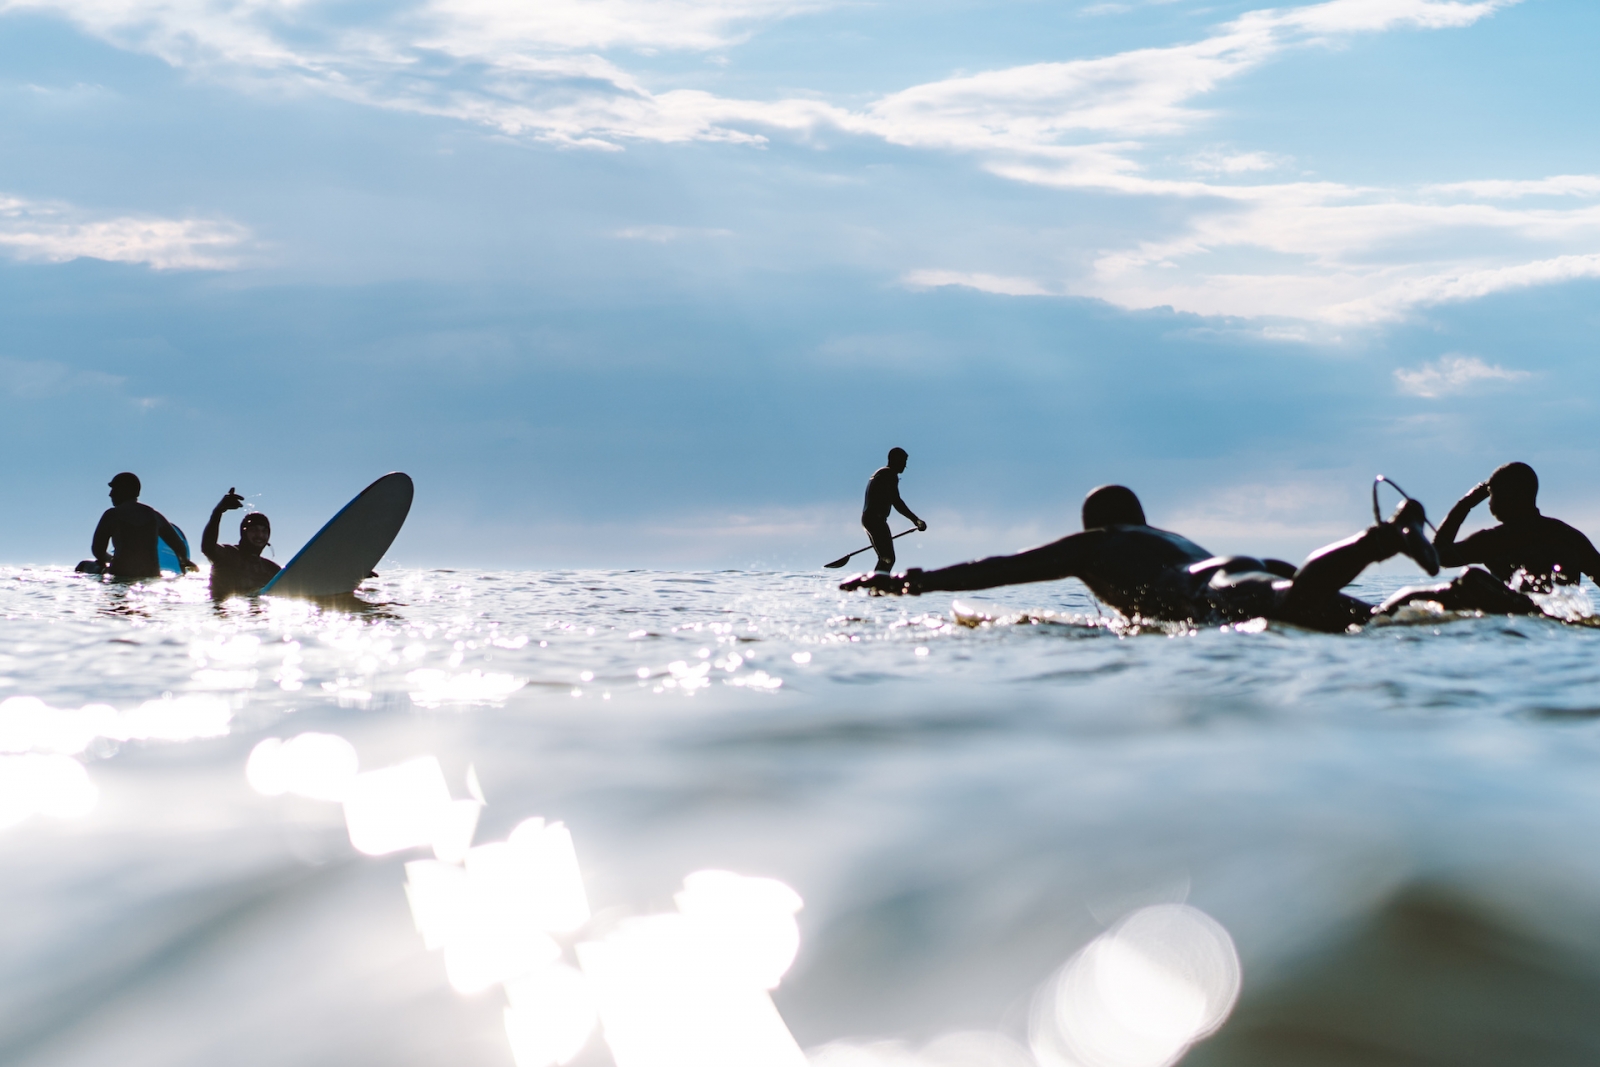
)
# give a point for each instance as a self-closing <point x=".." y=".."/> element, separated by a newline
<point x="637" y="284"/>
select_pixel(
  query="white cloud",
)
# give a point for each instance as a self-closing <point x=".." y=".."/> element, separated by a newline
<point x="55" y="233"/>
<point x="1215" y="161"/>
<point x="988" y="283"/>
<point x="1558" y="185"/>
<point x="1452" y="374"/>
<point x="1309" y="250"/>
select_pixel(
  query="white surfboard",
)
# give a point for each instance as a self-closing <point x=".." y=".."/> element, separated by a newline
<point x="345" y="550"/>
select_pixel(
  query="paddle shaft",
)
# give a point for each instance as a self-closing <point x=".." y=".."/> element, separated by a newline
<point x="842" y="560"/>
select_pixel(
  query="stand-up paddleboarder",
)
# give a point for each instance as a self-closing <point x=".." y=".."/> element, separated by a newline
<point x="883" y="493"/>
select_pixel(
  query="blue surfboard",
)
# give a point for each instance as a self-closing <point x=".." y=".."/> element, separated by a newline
<point x="168" y="559"/>
<point x="344" y="551"/>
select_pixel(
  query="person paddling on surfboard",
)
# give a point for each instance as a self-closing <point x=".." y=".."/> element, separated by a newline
<point x="1149" y="573"/>
<point x="125" y="540"/>
<point x="238" y="568"/>
<point x="883" y="493"/>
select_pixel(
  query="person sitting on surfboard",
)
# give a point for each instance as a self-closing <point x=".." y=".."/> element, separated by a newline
<point x="130" y="530"/>
<point x="883" y="493"/>
<point x="1537" y="550"/>
<point x="238" y="568"/>
<point x="1149" y="573"/>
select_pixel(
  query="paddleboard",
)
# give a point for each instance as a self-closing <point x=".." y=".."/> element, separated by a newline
<point x="169" y="559"/>
<point x="344" y="551"/>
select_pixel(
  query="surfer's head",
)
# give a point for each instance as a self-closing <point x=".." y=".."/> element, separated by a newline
<point x="255" y="531"/>
<point x="1513" y="490"/>
<point x="124" y="488"/>
<point x="1112" y="505"/>
<point x="897" y="460"/>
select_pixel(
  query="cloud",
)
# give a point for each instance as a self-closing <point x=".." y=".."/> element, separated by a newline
<point x="987" y="283"/>
<point x="55" y="233"/>
<point x="1308" y="250"/>
<point x="1452" y="374"/>
<point x="1558" y="185"/>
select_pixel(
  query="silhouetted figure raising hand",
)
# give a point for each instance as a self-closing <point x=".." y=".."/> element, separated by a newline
<point x="238" y="568"/>
<point x="1547" y="551"/>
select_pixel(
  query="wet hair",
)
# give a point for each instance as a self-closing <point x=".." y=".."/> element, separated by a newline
<point x="1112" y="505"/>
<point x="1515" y="487"/>
<point x="126" y="484"/>
<point x="893" y="452"/>
<point x="255" y="518"/>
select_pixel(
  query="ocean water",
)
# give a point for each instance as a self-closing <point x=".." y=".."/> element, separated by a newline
<point x="1000" y="832"/>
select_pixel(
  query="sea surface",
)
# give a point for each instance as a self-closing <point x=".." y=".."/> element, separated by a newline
<point x="1007" y="831"/>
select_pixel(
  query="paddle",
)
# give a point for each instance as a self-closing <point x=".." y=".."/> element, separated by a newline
<point x="842" y="560"/>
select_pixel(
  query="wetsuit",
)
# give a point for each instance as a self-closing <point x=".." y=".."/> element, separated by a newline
<point x="883" y="493"/>
<point x="234" y="568"/>
<point x="131" y="530"/>
<point x="1547" y="550"/>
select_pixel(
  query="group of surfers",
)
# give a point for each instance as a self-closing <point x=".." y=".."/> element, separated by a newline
<point x="125" y="542"/>
<point x="1151" y="574"/>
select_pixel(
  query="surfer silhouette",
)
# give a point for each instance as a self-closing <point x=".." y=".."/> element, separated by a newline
<point x="883" y="494"/>
<point x="1149" y="573"/>
<point x="1546" y="551"/>
<point x="238" y="568"/>
<point x="124" y="542"/>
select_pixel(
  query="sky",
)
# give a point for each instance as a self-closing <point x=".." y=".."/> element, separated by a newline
<point x="657" y="283"/>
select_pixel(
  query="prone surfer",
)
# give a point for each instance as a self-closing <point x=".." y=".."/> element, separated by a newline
<point x="124" y="542"/>
<point x="1148" y="573"/>
<point x="238" y="568"/>
<point x="883" y="493"/>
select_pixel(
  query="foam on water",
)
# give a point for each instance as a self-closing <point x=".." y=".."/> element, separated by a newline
<point x="735" y="816"/>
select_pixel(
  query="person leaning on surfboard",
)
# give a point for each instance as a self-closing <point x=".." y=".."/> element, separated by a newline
<point x="125" y="540"/>
<point x="238" y="568"/>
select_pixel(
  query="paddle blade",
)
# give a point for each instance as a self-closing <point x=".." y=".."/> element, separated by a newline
<point x="840" y="562"/>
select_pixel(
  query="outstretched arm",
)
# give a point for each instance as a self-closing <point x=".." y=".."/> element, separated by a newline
<point x="1059" y="559"/>
<point x="1452" y="554"/>
<point x="903" y="508"/>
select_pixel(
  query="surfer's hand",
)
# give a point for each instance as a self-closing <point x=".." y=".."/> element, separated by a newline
<point x="879" y="584"/>
<point x="921" y="526"/>
<point x="1477" y="494"/>
<point x="190" y="566"/>
<point x="231" y="502"/>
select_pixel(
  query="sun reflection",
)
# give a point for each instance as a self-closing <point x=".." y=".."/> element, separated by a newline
<point x="318" y="766"/>
<point x="1140" y="994"/>
<point x="432" y="688"/>
<point x="34" y="784"/>
<point x="28" y="724"/>
<point x="551" y="1016"/>
<point x="690" y="989"/>
<point x="407" y="806"/>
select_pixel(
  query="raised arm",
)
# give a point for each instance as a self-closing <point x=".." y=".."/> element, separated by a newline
<point x="1059" y="559"/>
<point x="208" y="540"/>
<point x="1452" y="554"/>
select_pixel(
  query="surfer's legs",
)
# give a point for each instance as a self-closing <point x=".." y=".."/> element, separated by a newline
<point x="882" y="543"/>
